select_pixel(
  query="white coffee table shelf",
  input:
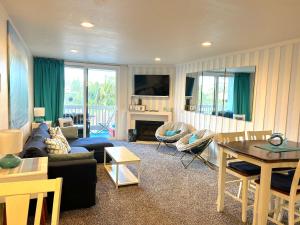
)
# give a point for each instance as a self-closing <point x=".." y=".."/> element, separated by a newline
<point x="117" y="170"/>
<point x="126" y="177"/>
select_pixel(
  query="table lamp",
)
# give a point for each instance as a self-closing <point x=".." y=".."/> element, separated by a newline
<point x="39" y="114"/>
<point x="11" y="142"/>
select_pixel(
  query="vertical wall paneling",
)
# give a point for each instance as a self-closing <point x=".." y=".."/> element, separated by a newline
<point x="272" y="87"/>
<point x="283" y="88"/>
<point x="255" y="61"/>
<point x="261" y="80"/>
<point x="293" y="112"/>
<point x="276" y="96"/>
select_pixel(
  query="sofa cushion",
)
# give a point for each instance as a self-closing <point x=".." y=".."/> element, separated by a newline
<point x="75" y="150"/>
<point x="247" y="169"/>
<point x="42" y="130"/>
<point x="34" y="147"/>
<point x="72" y="156"/>
<point x="93" y="144"/>
<point x="90" y="143"/>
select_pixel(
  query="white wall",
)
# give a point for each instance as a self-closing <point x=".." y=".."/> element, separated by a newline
<point x="125" y="88"/>
<point x="122" y="102"/>
<point x="276" y="96"/>
<point x="4" y="81"/>
<point x="153" y="103"/>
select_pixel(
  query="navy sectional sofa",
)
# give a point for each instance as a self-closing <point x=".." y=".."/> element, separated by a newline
<point x="79" y="175"/>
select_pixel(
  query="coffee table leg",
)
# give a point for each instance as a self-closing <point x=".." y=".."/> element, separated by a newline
<point x="117" y="176"/>
<point x="104" y="157"/>
<point x="139" y="172"/>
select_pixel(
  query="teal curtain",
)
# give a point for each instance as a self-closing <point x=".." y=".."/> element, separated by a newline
<point x="241" y="95"/>
<point x="49" y="85"/>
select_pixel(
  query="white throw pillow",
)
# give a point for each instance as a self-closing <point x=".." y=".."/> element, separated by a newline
<point x="57" y="133"/>
<point x="56" y="146"/>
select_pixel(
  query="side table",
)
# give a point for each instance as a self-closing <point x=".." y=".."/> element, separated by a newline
<point x="29" y="169"/>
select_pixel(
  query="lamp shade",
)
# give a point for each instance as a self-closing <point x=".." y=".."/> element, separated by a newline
<point x="11" y="141"/>
<point x="39" y="112"/>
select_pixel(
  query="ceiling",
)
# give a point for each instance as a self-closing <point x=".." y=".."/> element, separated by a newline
<point x="137" y="31"/>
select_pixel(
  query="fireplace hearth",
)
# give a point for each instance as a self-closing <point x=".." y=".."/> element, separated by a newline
<point x="146" y="129"/>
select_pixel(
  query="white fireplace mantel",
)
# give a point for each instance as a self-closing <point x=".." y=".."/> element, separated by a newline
<point x="147" y="116"/>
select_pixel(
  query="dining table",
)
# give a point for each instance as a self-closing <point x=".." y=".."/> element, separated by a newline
<point x="252" y="151"/>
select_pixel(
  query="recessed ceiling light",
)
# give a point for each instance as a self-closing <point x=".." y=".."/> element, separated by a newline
<point x="206" y="44"/>
<point x="157" y="59"/>
<point x="87" y="24"/>
<point x="74" y="51"/>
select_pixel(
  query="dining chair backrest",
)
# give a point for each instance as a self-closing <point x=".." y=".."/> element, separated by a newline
<point x="259" y="135"/>
<point x="17" y="196"/>
<point x="232" y="136"/>
<point x="295" y="183"/>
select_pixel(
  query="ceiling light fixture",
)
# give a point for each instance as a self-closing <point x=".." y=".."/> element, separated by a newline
<point x="87" y="24"/>
<point x="74" y="51"/>
<point x="157" y="59"/>
<point x="206" y="44"/>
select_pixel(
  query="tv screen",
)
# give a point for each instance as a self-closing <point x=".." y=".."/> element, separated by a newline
<point x="152" y="85"/>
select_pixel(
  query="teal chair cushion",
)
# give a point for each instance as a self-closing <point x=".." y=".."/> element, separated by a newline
<point x="193" y="138"/>
<point x="171" y="132"/>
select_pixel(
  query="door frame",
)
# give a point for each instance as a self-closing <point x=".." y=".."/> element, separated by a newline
<point x="85" y="67"/>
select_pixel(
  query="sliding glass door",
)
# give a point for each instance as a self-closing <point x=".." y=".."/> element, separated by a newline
<point x="101" y="100"/>
<point x="74" y="103"/>
<point x="91" y="99"/>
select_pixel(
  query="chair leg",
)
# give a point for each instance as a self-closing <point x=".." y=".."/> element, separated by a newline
<point x="277" y="208"/>
<point x="244" y="200"/>
<point x="204" y="161"/>
<point x="280" y="213"/>
<point x="169" y="146"/>
<point x="240" y="190"/>
<point x="194" y="157"/>
<point x="158" y="145"/>
<point x="291" y="212"/>
<point x="255" y="208"/>
<point x="186" y="165"/>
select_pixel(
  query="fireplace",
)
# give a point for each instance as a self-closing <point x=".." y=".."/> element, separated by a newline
<point x="146" y="129"/>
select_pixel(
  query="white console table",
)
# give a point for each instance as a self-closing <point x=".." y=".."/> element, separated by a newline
<point x="147" y="116"/>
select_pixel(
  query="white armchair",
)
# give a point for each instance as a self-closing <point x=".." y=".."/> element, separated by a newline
<point x="161" y="136"/>
<point x="204" y="138"/>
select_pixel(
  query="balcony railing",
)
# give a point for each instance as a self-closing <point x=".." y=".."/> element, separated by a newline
<point x="206" y="109"/>
<point x="96" y="114"/>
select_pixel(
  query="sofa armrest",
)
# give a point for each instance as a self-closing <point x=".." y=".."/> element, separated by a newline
<point x="74" y="171"/>
<point x="79" y="183"/>
<point x="70" y="132"/>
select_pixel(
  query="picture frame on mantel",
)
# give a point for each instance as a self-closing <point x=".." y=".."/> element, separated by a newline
<point x="17" y="79"/>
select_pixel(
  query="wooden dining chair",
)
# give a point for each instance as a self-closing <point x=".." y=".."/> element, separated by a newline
<point x="244" y="171"/>
<point x="259" y="135"/>
<point x="285" y="188"/>
<point x="17" y="196"/>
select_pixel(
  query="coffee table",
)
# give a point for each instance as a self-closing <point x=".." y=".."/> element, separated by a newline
<point x="118" y="170"/>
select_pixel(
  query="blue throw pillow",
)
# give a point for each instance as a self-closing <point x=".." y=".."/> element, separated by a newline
<point x="171" y="132"/>
<point x="193" y="138"/>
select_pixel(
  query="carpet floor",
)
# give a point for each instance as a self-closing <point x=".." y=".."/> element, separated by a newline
<point x="168" y="195"/>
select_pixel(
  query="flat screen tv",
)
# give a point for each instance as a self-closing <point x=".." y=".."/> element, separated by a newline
<point x="152" y="85"/>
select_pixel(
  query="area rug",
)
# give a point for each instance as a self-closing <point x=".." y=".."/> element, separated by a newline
<point x="168" y="195"/>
